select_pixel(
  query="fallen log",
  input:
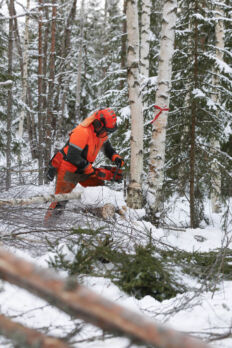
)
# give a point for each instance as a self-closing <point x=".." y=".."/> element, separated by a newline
<point x="80" y="302"/>
<point x="26" y="337"/>
<point x="40" y="199"/>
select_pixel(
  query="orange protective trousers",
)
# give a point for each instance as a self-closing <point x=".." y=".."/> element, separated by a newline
<point x="67" y="180"/>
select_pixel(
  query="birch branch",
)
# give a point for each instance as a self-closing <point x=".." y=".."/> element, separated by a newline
<point x="40" y="199"/>
<point x="26" y="337"/>
<point x="80" y="302"/>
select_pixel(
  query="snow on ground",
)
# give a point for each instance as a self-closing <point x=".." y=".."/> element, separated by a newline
<point x="208" y="312"/>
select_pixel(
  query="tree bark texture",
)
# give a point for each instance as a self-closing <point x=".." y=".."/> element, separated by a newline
<point x="145" y="38"/>
<point x="123" y="42"/>
<point x="31" y="127"/>
<point x="134" y="197"/>
<point x="9" y="96"/>
<point x="24" y="72"/>
<point x="79" y="65"/>
<point x="193" y="217"/>
<point x="46" y="25"/>
<point x="157" y="148"/>
<point x="40" y="199"/>
<point x="25" y="337"/>
<point x="50" y="106"/>
<point x="78" y="301"/>
<point x="40" y="95"/>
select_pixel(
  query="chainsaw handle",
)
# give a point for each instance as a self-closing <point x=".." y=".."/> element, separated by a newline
<point x="116" y="171"/>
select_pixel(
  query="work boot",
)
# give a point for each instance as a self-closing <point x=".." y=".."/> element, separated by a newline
<point x="59" y="208"/>
<point x="55" y="210"/>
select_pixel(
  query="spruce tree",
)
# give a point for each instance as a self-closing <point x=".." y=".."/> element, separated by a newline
<point x="193" y="120"/>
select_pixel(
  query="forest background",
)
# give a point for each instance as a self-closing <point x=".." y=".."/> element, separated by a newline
<point x="70" y="58"/>
<point x="60" y="61"/>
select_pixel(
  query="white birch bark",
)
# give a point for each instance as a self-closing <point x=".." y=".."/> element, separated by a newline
<point x="215" y="145"/>
<point x="157" y="149"/>
<point x="134" y="198"/>
<point x="145" y="38"/>
<point x="25" y="71"/>
<point x="41" y="199"/>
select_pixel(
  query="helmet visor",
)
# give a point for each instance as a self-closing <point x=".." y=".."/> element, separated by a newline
<point x="111" y="130"/>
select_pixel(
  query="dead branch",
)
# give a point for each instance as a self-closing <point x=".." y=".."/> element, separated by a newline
<point x="40" y="199"/>
<point x="80" y="302"/>
<point x="27" y="337"/>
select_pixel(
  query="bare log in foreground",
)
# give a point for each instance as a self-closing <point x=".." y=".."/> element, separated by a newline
<point x="41" y="199"/>
<point x="80" y="302"/>
<point x="25" y="337"/>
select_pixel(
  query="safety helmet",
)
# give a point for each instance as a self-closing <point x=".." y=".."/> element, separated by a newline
<point x="105" y="121"/>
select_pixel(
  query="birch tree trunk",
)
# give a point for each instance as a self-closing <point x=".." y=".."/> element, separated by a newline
<point x="40" y="96"/>
<point x="145" y="38"/>
<point x="123" y="42"/>
<point x="134" y="191"/>
<point x="9" y="97"/>
<point x="219" y="35"/>
<point x="157" y="149"/>
<point x="79" y="65"/>
<point x="24" y="72"/>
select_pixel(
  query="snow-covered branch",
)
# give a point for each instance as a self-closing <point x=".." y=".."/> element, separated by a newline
<point x="6" y="83"/>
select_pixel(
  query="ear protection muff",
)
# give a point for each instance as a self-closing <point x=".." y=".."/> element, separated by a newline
<point x="98" y="126"/>
<point x="105" y="121"/>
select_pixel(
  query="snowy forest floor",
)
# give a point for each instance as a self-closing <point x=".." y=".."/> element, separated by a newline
<point x="201" y="309"/>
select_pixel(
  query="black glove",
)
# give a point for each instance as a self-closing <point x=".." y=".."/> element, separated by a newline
<point x="118" y="160"/>
<point x="51" y="172"/>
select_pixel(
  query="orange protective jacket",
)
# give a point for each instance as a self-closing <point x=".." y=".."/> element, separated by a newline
<point x="84" y="146"/>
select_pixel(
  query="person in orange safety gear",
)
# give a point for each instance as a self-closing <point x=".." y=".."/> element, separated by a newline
<point x="73" y="164"/>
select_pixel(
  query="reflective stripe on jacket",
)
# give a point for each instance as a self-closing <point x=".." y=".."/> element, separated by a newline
<point x="84" y="146"/>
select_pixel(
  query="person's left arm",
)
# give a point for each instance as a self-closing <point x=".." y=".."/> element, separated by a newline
<point x="110" y="153"/>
